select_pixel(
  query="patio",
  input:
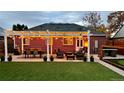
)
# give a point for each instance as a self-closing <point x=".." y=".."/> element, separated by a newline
<point x="21" y="58"/>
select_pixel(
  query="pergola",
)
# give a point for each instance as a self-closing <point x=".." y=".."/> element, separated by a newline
<point x="46" y="34"/>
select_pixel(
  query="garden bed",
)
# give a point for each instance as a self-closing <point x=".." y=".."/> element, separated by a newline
<point x="115" y="62"/>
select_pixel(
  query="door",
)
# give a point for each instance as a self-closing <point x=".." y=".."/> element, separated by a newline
<point x="96" y="45"/>
<point x="79" y="43"/>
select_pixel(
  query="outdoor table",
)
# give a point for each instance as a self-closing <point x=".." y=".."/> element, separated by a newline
<point x="27" y="53"/>
<point x="68" y="53"/>
<point x="70" y="57"/>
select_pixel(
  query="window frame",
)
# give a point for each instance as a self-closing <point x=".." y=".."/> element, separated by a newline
<point x="68" y="41"/>
<point x="26" y="42"/>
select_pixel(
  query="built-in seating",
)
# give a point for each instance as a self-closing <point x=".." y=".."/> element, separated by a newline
<point x="33" y="52"/>
<point x="59" y="54"/>
<point x="80" y="54"/>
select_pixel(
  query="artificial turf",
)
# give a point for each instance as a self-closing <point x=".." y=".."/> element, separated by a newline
<point x="53" y="71"/>
<point x="121" y="62"/>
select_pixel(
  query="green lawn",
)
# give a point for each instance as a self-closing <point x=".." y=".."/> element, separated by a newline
<point x="121" y="62"/>
<point x="56" y="71"/>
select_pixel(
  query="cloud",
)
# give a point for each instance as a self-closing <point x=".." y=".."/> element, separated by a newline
<point x="34" y="18"/>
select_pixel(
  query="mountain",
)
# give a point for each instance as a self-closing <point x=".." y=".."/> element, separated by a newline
<point x="1" y="31"/>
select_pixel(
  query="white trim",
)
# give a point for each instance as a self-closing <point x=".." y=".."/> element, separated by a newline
<point x="109" y="49"/>
<point x="97" y="35"/>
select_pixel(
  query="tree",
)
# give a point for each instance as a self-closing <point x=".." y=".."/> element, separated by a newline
<point x="14" y="27"/>
<point x="25" y="27"/>
<point x="115" y="20"/>
<point x="19" y="27"/>
<point x="94" y="20"/>
<point x="101" y="28"/>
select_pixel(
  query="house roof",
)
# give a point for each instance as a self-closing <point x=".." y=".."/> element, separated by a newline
<point x="58" y="27"/>
<point x="119" y="33"/>
<point x="64" y="27"/>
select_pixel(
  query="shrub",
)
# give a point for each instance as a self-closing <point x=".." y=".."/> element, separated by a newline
<point x="45" y="58"/>
<point x="92" y="59"/>
<point x="51" y="58"/>
<point x="85" y="58"/>
<point x="10" y="58"/>
<point x="2" y="58"/>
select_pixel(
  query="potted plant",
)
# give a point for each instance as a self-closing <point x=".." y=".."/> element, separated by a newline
<point x="2" y="58"/>
<point x="45" y="58"/>
<point x="85" y="58"/>
<point x="51" y="58"/>
<point x="10" y="58"/>
<point x="92" y="59"/>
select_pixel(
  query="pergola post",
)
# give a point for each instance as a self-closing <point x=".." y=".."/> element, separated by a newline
<point x="5" y="46"/>
<point x="22" y="45"/>
<point x="88" y="51"/>
<point x="14" y="42"/>
<point x="51" y="49"/>
<point x="48" y="56"/>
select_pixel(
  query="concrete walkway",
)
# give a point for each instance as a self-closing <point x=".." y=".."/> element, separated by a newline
<point x="113" y="68"/>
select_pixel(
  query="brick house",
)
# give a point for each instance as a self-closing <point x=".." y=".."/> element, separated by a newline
<point x="63" y="42"/>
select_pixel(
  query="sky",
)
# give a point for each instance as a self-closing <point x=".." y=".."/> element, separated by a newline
<point x="34" y="18"/>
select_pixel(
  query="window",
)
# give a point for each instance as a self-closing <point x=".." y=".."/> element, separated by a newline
<point x="26" y="41"/>
<point x="68" y="41"/>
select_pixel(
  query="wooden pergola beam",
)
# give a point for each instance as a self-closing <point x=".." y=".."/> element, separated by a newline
<point x="47" y="34"/>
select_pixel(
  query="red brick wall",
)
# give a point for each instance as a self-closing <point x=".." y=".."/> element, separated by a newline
<point x="101" y="41"/>
<point x="36" y="43"/>
<point x="18" y="42"/>
<point x="58" y="44"/>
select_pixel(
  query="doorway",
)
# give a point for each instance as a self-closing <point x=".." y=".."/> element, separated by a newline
<point x="79" y="43"/>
